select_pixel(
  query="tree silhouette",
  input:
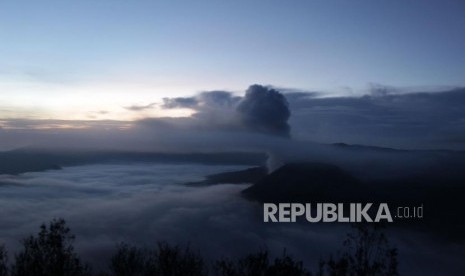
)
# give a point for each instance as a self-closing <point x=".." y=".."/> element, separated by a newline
<point x="3" y="261"/>
<point x="367" y="253"/>
<point x="259" y="264"/>
<point x="165" y="260"/>
<point x="50" y="253"/>
<point x="172" y="260"/>
<point x="129" y="261"/>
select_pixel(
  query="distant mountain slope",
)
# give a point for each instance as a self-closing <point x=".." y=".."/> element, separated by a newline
<point x="304" y="182"/>
<point x="27" y="160"/>
<point x="440" y="190"/>
<point x="250" y="175"/>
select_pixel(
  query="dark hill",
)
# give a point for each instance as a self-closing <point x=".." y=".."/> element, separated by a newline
<point x="250" y="175"/>
<point x="305" y="182"/>
<point x="440" y="191"/>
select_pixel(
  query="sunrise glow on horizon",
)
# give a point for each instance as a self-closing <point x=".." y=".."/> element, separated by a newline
<point x="89" y="60"/>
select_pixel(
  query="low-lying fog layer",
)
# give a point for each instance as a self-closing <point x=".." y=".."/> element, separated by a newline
<point x="145" y="203"/>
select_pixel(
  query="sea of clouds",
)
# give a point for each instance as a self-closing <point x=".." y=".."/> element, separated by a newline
<point x="143" y="203"/>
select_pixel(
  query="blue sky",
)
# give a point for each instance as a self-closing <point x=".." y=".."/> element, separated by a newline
<point x="72" y="59"/>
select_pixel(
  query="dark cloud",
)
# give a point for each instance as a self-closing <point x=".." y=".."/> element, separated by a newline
<point x="385" y="118"/>
<point x="421" y="120"/>
<point x="222" y="99"/>
<point x="180" y="102"/>
<point x="202" y="101"/>
<point x="140" y="107"/>
<point x="264" y="109"/>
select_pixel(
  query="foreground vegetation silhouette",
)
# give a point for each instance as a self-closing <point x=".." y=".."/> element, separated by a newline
<point x="50" y="253"/>
<point x="366" y="252"/>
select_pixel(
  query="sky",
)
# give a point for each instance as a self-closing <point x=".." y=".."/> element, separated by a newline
<point x="91" y="60"/>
